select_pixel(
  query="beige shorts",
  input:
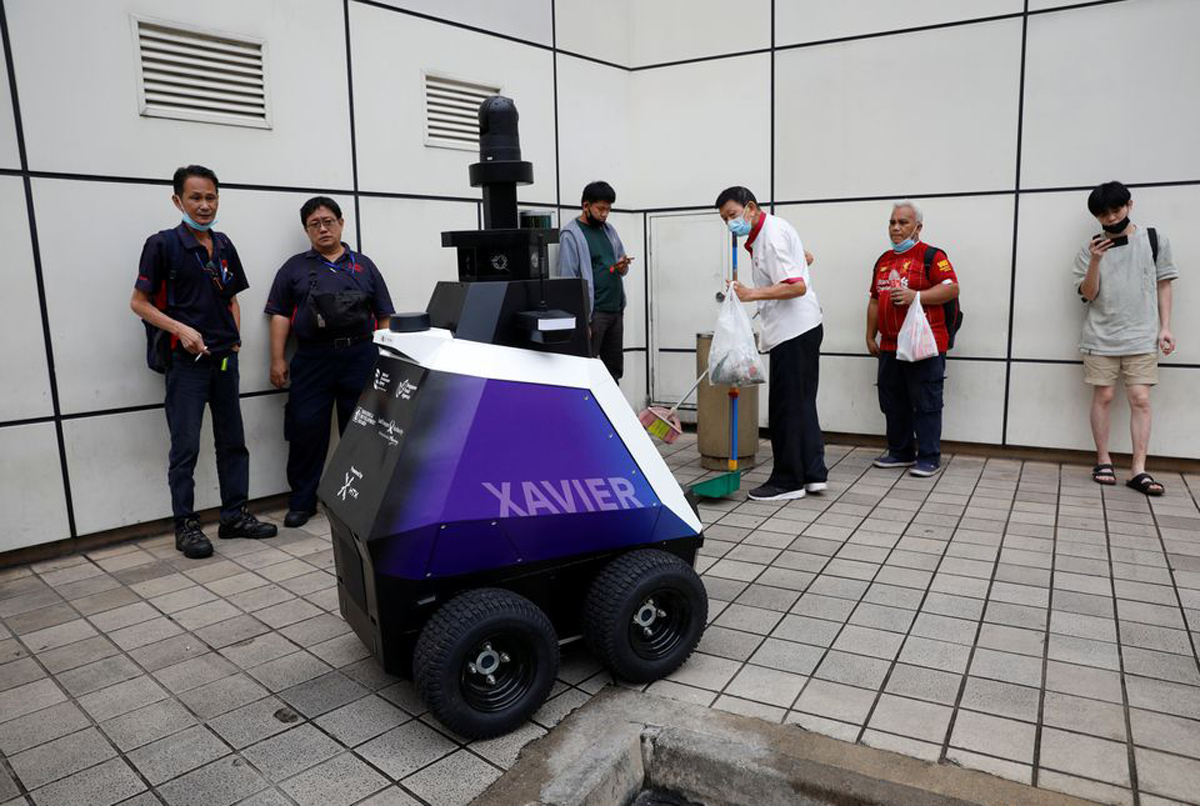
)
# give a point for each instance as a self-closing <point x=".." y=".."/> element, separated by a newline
<point x="1137" y="370"/>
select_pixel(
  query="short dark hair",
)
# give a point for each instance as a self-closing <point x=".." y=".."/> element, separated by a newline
<point x="738" y="194"/>
<point x="182" y="174"/>
<point x="598" y="192"/>
<point x="317" y="202"/>
<point x="1108" y="196"/>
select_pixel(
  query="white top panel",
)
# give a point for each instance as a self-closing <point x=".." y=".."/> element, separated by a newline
<point x="523" y="19"/>
<point x="799" y="21"/>
<point x="908" y="114"/>
<point x="701" y="128"/>
<point x="78" y="83"/>
<point x="1085" y="123"/>
<point x="600" y="30"/>
<point x="22" y="350"/>
<point x="437" y="349"/>
<point x="391" y="53"/>
<point x="671" y="30"/>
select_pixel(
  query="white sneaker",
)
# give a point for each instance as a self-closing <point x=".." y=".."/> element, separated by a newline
<point x="816" y="487"/>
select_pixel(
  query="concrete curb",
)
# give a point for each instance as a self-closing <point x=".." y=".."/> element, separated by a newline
<point x="622" y="740"/>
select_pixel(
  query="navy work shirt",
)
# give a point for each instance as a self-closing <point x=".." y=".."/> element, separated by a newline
<point x="352" y="271"/>
<point x="204" y="287"/>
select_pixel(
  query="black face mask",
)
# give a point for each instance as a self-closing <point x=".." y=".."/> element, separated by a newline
<point x="1120" y="226"/>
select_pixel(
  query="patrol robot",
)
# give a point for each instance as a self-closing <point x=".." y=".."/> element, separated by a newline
<point x="494" y="495"/>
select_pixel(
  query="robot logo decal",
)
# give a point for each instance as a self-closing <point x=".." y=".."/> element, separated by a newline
<point x="528" y="498"/>
<point x="353" y="476"/>
<point x="382" y="380"/>
<point x="405" y="389"/>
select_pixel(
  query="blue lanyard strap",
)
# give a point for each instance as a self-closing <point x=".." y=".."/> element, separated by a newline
<point x="335" y="267"/>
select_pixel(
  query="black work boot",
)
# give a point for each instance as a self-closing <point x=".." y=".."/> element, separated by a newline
<point x="296" y="518"/>
<point x="190" y="539"/>
<point x="246" y="525"/>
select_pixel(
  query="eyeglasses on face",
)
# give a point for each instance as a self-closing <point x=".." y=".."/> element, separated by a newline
<point x="320" y="224"/>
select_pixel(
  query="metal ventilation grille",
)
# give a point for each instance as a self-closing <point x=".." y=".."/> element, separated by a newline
<point x="191" y="75"/>
<point x="452" y="111"/>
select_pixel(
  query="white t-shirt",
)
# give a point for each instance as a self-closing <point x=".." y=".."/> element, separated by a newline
<point x="777" y="255"/>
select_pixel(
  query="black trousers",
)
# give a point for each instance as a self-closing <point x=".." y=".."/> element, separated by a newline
<point x="910" y="396"/>
<point x="608" y="341"/>
<point x="796" y="438"/>
<point x="191" y="385"/>
<point x="321" y="377"/>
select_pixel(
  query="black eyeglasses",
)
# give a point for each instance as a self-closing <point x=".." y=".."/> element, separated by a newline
<point x="324" y="223"/>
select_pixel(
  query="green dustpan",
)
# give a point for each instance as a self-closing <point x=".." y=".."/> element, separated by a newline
<point x="719" y="486"/>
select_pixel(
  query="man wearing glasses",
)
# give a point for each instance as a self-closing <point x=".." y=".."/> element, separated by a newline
<point x="187" y="286"/>
<point x="333" y="298"/>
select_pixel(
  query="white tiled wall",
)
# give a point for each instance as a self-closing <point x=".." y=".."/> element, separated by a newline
<point x="931" y="112"/>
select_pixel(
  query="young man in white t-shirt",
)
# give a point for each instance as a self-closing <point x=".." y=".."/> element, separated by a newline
<point x="791" y="333"/>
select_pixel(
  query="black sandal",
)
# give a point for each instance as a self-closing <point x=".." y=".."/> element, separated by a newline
<point x="1145" y="484"/>
<point x="1104" y="474"/>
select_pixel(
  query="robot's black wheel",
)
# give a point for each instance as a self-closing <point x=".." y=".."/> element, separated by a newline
<point x="485" y="662"/>
<point x="644" y="614"/>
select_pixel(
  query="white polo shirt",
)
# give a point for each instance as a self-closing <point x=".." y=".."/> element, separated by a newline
<point x="777" y="257"/>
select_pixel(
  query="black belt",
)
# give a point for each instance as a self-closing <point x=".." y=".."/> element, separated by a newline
<point x="337" y="344"/>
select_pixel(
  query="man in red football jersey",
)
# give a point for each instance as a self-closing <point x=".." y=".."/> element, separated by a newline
<point x="910" y="392"/>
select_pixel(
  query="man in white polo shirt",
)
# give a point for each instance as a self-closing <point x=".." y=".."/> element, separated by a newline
<point x="791" y="332"/>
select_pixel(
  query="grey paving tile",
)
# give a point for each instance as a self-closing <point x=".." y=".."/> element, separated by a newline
<point x="1167" y="732"/>
<point x="254" y="722"/>
<point x="183" y="599"/>
<point x="769" y="686"/>
<point x="893" y="596"/>
<point x="882" y="617"/>
<point x="147" y="724"/>
<point x="64" y="756"/>
<point x="912" y="718"/>
<point x="994" y="736"/>
<point x="1012" y="639"/>
<point x="835" y="701"/>
<point x="292" y="670"/>
<point x="58" y="635"/>
<point x="455" y="779"/>
<point x="41" y="726"/>
<point x="289" y="753"/>
<point x="30" y="697"/>
<point x="111" y="620"/>
<point x="364" y="719"/>
<point x="231" y="631"/>
<point x="1160" y="695"/>
<point x="98" y="674"/>
<point x="1001" y="699"/>
<point x="337" y="782"/>
<point x="40" y="619"/>
<point x="767" y="597"/>
<point x="259" y="649"/>
<point x="1161" y="665"/>
<point x="1084" y="788"/>
<point x="787" y="656"/>
<point x="313" y="631"/>
<point x="102" y="785"/>
<point x="1087" y="756"/>
<point x="405" y="749"/>
<point x="869" y="641"/>
<point x="219" y="783"/>
<point x="222" y="695"/>
<point x="1084" y="652"/>
<point x="166" y="653"/>
<point x="855" y="670"/>
<point x="206" y="615"/>
<point x="1162" y="639"/>
<point x="748" y="619"/>
<point x="1083" y="681"/>
<point x="122" y="698"/>
<point x="926" y="684"/>
<point x="319" y="695"/>
<point x="19" y="672"/>
<point x="176" y="754"/>
<point x="194" y="672"/>
<point x="105" y="600"/>
<point x="933" y="654"/>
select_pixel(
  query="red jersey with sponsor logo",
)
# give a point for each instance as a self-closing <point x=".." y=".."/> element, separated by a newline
<point x="907" y="270"/>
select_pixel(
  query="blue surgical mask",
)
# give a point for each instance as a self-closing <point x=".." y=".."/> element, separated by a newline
<point x="187" y="219"/>
<point x="739" y="226"/>
<point x="906" y="244"/>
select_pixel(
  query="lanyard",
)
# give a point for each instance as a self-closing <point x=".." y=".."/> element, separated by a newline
<point x="220" y="274"/>
<point x="334" y="267"/>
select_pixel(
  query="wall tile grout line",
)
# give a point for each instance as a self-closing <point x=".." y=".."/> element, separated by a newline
<point x="924" y="596"/>
<point x="1012" y="281"/>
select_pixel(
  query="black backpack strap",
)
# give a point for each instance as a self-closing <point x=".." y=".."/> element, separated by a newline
<point x="930" y="253"/>
<point x="1153" y="234"/>
<point x="174" y="253"/>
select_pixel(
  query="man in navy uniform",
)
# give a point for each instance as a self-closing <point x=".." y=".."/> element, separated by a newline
<point x="333" y="298"/>
<point x="187" y="286"/>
